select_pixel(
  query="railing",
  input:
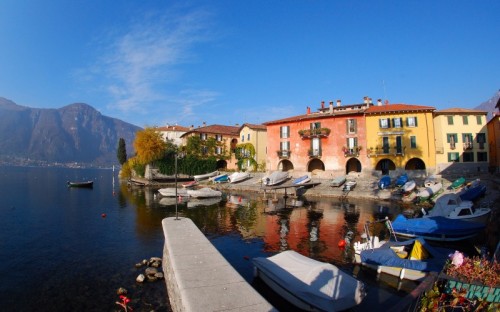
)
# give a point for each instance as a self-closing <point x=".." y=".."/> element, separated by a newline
<point x="315" y="152"/>
<point x="314" y="133"/>
<point x="386" y="150"/>
<point x="284" y="153"/>
<point x="351" y="151"/>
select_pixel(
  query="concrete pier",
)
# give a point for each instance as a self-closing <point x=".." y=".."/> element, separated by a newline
<point x="199" y="278"/>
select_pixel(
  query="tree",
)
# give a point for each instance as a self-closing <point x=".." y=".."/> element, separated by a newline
<point x="149" y="145"/>
<point x="121" y="153"/>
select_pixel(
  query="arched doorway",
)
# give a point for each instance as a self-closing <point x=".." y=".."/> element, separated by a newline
<point x="415" y="164"/>
<point x="221" y="164"/>
<point x="353" y="164"/>
<point x="285" y="165"/>
<point x="315" y="164"/>
<point x="385" y="165"/>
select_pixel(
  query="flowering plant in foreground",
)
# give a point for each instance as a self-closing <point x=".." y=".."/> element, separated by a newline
<point x="469" y="270"/>
<point x="124" y="303"/>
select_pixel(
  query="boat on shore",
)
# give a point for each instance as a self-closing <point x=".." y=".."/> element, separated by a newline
<point x="409" y="186"/>
<point x="84" y="184"/>
<point x="431" y="180"/>
<point x="205" y="176"/>
<point x="452" y="206"/>
<point x="384" y="182"/>
<point x="429" y="191"/>
<point x="276" y="177"/>
<point x="309" y="284"/>
<point x="401" y="180"/>
<point x="238" y="177"/>
<point x="301" y="180"/>
<point x="170" y="192"/>
<point x="205" y="192"/>
<point x="338" y="181"/>
<point x="190" y="184"/>
<point x="435" y="228"/>
<point x="458" y="183"/>
<point x="349" y="186"/>
<point x="472" y="190"/>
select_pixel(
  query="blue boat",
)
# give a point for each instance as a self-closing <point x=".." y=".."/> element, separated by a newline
<point x="436" y="228"/>
<point x="402" y="179"/>
<point x="301" y="180"/>
<point x="221" y="179"/>
<point x="384" y="182"/>
<point x="472" y="191"/>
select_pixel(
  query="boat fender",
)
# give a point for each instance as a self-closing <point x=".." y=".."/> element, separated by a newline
<point x="103" y="215"/>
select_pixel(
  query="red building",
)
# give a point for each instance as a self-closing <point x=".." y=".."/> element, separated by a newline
<point x="330" y="140"/>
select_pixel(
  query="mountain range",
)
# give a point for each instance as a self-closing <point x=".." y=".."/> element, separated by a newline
<point x="489" y="105"/>
<point x="73" y="135"/>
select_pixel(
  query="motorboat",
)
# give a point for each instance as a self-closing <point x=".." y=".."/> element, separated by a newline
<point x="204" y="193"/>
<point x="409" y="186"/>
<point x="301" y="180"/>
<point x="85" y="184"/>
<point x="429" y="191"/>
<point x="453" y="207"/>
<point x="349" y="186"/>
<point x="238" y="177"/>
<point x="309" y="284"/>
<point x="401" y="180"/>
<point x="338" y="181"/>
<point x="411" y="259"/>
<point x="435" y="228"/>
<point x="472" y="190"/>
<point x="384" y="182"/>
<point x="219" y="178"/>
<point x="276" y="177"/>
<point x="205" y="176"/>
<point x="203" y="202"/>
<point x="171" y="192"/>
<point x="458" y="183"/>
<point x="190" y="184"/>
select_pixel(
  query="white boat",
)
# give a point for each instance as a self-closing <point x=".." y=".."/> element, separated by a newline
<point x="200" y="202"/>
<point x="170" y="192"/>
<point x="205" y="176"/>
<point x="431" y="180"/>
<point x="276" y="177"/>
<point x="309" y="284"/>
<point x="238" y="177"/>
<point x="409" y="186"/>
<point x="204" y="193"/>
<point x="453" y="207"/>
<point x="429" y="191"/>
<point x="349" y="186"/>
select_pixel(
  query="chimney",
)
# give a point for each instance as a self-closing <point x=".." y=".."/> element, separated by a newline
<point x="339" y="102"/>
<point x="322" y="104"/>
<point x="386" y="102"/>
<point x="308" y="110"/>
<point x="191" y="128"/>
<point x="204" y="124"/>
<point x="331" y="107"/>
<point x="379" y="102"/>
<point x="370" y="100"/>
<point x="365" y="100"/>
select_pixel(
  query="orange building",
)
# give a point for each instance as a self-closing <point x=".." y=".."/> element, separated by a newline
<point x="329" y="140"/>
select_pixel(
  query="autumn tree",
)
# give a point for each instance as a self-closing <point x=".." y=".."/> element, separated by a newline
<point x="149" y="145"/>
<point x="121" y="153"/>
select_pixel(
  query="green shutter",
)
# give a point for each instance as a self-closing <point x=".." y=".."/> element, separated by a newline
<point x="347" y="126"/>
<point x="281" y="132"/>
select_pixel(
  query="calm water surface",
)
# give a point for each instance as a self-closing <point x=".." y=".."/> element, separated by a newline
<point x="58" y="252"/>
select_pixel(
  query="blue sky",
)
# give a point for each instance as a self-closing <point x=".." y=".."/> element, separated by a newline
<point x="156" y="62"/>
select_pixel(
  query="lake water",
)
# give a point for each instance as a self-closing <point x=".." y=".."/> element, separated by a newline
<point x="70" y="249"/>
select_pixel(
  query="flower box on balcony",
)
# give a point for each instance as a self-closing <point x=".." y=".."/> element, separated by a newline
<point x="313" y="133"/>
<point x="283" y="153"/>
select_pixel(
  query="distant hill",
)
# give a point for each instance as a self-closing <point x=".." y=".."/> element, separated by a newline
<point x="489" y="105"/>
<point x="75" y="133"/>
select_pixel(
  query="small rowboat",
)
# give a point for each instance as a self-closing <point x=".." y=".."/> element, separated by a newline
<point x="189" y="184"/>
<point x="221" y="178"/>
<point x="409" y="186"/>
<point x="238" y="177"/>
<point x="338" y="181"/>
<point x="402" y="179"/>
<point x="87" y="184"/>
<point x="458" y="183"/>
<point x="349" y="186"/>
<point x="384" y="182"/>
<point x="205" y="176"/>
<point x="301" y="180"/>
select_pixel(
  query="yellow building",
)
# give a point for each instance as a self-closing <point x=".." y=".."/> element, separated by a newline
<point x="461" y="141"/>
<point x="400" y="137"/>
<point x="257" y="136"/>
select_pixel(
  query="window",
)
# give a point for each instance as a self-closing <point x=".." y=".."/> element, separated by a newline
<point x="453" y="157"/>
<point x="479" y="120"/>
<point x="397" y="123"/>
<point x="315" y="147"/>
<point x="452" y="138"/>
<point x="385" y="123"/>
<point x="467" y="139"/>
<point x="315" y="125"/>
<point x="203" y="136"/>
<point x="248" y="137"/>
<point x="468" y="156"/>
<point x="218" y="137"/>
<point x="204" y="150"/>
<point x="352" y="146"/>
<point x="351" y="125"/>
<point x="385" y="145"/>
<point x="218" y="150"/>
<point x="481" y="139"/>
<point x="450" y="120"/>
<point x="399" y="145"/>
<point x="413" y="141"/>
<point x="482" y="156"/>
<point x="242" y="138"/>
<point x="285" y="132"/>
<point x="465" y="120"/>
<point x="411" y="121"/>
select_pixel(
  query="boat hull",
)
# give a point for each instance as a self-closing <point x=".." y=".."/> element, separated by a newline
<point x="205" y="176"/>
<point x="85" y="184"/>
<point x="338" y="181"/>
<point x="384" y="182"/>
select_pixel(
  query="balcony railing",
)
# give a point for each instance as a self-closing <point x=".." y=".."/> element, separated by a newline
<point x="351" y="151"/>
<point x="468" y="146"/>
<point x="315" y="152"/>
<point x="284" y="153"/>
<point x="386" y="150"/>
<point x="314" y="133"/>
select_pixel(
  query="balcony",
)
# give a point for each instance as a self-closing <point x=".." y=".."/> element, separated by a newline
<point x="351" y="151"/>
<point x="386" y="151"/>
<point x="468" y="146"/>
<point x="284" y="154"/>
<point x="315" y="153"/>
<point x="314" y="133"/>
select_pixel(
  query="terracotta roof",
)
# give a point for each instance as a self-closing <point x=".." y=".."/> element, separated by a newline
<point x="253" y="126"/>
<point x="457" y="110"/>
<point x="389" y="108"/>
<point x="216" y="129"/>
<point x="339" y="111"/>
<point x="173" y="128"/>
